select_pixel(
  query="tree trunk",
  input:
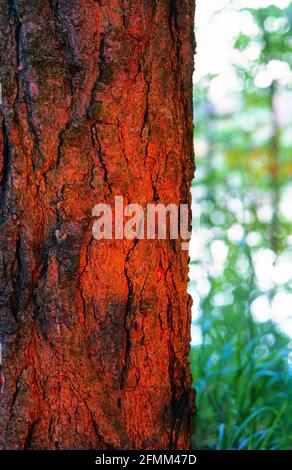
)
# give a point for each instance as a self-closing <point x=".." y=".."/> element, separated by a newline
<point x="95" y="335"/>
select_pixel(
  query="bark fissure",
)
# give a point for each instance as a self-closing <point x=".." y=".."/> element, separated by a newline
<point x="6" y="163"/>
<point x="29" y="436"/>
<point x="97" y="146"/>
<point x="128" y="316"/>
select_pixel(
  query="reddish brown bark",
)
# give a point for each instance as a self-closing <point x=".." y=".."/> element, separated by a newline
<point x="95" y="334"/>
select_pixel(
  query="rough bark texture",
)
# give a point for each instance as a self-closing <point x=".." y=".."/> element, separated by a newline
<point x="95" y="334"/>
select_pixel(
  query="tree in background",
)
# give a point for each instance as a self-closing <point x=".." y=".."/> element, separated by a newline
<point x="97" y="102"/>
<point x="242" y="361"/>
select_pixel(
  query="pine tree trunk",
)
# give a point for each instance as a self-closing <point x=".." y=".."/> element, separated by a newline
<point x="95" y="335"/>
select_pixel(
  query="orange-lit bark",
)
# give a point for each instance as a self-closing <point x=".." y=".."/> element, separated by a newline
<point x="95" y="334"/>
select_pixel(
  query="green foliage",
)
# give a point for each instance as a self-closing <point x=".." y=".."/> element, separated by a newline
<point x="241" y="366"/>
<point x="244" y="389"/>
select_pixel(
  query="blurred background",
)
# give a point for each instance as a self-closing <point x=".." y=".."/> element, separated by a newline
<point x="241" y="251"/>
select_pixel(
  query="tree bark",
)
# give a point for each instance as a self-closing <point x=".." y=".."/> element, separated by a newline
<point x="97" y="102"/>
